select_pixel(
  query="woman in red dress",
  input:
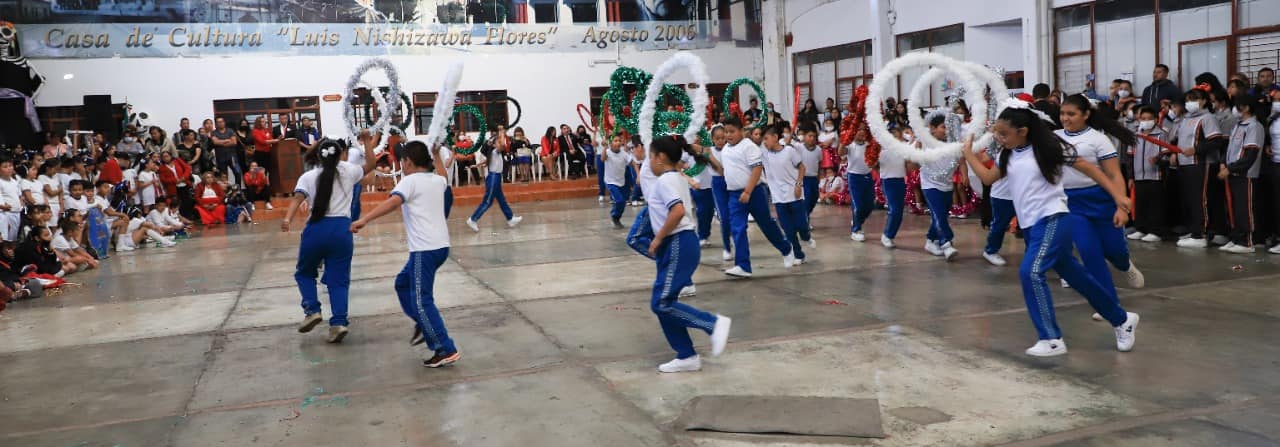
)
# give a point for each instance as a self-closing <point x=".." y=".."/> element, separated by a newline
<point x="173" y="170"/>
<point x="209" y="201"/>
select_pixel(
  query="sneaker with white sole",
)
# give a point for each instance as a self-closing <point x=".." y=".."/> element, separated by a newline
<point x="514" y="221"/>
<point x="1240" y="249"/>
<point x="269" y="206"/>
<point x="726" y="255"/>
<point x="337" y="333"/>
<point x="1135" y="277"/>
<point x="995" y="259"/>
<point x="1221" y="240"/>
<point x="690" y="364"/>
<point x="1193" y="242"/>
<point x="1275" y="250"/>
<point x="1184" y="236"/>
<point x="738" y="272"/>
<point x="1048" y="348"/>
<point x="720" y="334"/>
<point x="472" y="224"/>
<point x="1064" y="284"/>
<point x="1227" y="247"/>
<point x="789" y="260"/>
<point x="309" y="322"/>
<point x="813" y="243"/>
<point x="1152" y="237"/>
<point x="886" y="242"/>
<point x="1096" y="316"/>
<point x="689" y="291"/>
<point x="1127" y="333"/>
<point x="858" y="236"/>
<point x="600" y="199"/>
<point x="704" y="243"/>
<point x="932" y="248"/>
<point x="949" y="252"/>
<point x="1137" y="235"/>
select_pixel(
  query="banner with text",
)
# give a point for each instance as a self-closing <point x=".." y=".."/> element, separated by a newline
<point x="95" y="40"/>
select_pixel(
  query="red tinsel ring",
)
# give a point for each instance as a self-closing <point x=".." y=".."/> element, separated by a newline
<point x="857" y="120"/>
<point x="590" y="124"/>
<point x="736" y="110"/>
<point x="914" y="204"/>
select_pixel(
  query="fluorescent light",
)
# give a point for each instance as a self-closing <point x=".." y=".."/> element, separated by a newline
<point x="68" y="76"/>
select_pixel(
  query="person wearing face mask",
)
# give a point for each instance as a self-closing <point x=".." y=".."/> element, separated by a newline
<point x="1240" y="172"/>
<point x="1123" y="96"/>
<point x="1148" y="177"/>
<point x="1201" y="141"/>
<point x="130" y="144"/>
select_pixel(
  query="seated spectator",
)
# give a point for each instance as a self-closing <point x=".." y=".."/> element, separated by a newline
<point x="37" y="216"/>
<point x="523" y="156"/>
<point x="238" y="207"/>
<point x="830" y="187"/>
<point x="11" y="274"/>
<point x="163" y="221"/>
<point x="209" y="200"/>
<point x="37" y="251"/>
<point x="549" y="153"/>
<point x="53" y="146"/>
<point x="116" y="219"/>
<point x="129" y="144"/>
<point x="66" y="243"/>
<point x="257" y="184"/>
<point x="173" y="172"/>
<point x="138" y="231"/>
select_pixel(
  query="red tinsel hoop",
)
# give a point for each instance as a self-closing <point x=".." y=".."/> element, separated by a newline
<point x="590" y="124"/>
<point x="856" y="120"/>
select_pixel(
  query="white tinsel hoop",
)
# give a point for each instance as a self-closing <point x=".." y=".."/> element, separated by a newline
<point x="974" y="89"/>
<point x="975" y="80"/>
<point x="443" y="109"/>
<point x="698" y="101"/>
<point x="386" y="107"/>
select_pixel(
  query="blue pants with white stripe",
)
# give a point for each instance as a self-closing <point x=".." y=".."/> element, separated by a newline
<point x="492" y="192"/>
<point x="633" y="182"/>
<point x="795" y="224"/>
<point x="1096" y="238"/>
<point x="327" y="242"/>
<point x="895" y="196"/>
<point x="1049" y="247"/>
<point x="758" y="207"/>
<point x="810" y="192"/>
<point x="640" y="236"/>
<point x="415" y="287"/>
<point x="720" y="193"/>
<point x="939" y="202"/>
<point x="1002" y="214"/>
<point x="619" y="198"/>
<point x="600" y="174"/>
<point x="704" y="203"/>
<point x="862" y="189"/>
<point x="677" y="260"/>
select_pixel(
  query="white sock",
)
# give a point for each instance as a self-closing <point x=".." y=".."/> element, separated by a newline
<point x="156" y="235"/>
<point x="60" y="273"/>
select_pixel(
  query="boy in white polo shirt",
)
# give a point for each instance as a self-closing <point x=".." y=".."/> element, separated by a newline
<point x="615" y="162"/>
<point x="10" y="201"/>
<point x="783" y="170"/>
<point x="424" y="199"/>
<point x="742" y="162"/>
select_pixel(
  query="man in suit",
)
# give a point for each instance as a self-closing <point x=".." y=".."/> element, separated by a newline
<point x="285" y="129"/>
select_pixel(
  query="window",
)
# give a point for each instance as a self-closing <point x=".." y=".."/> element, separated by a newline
<point x="64" y="118"/>
<point x="492" y="104"/>
<point x="545" y="11"/>
<point x="948" y="40"/>
<point x="584" y="11"/>
<point x="832" y="72"/>
<point x="234" y="110"/>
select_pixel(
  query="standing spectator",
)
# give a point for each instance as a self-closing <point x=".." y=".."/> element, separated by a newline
<point x="189" y="150"/>
<point x="244" y="143"/>
<point x="262" y="141"/>
<point x="99" y="144"/>
<point x="1161" y="90"/>
<point x="53" y="146"/>
<point x="1122" y="94"/>
<point x="832" y="111"/>
<point x="808" y="113"/>
<point x="753" y="114"/>
<point x="10" y="201"/>
<point x="550" y="152"/>
<point x="284" y="130"/>
<point x="308" y="135"/>
<point x="225" y="141"/>
<point x="1262" y="92"/>
<point x="183" y="124"/>
<point x="1041" y="95"/>
<point x="158" y="142"/>
<point x="209" y="196"/>
<point x="129" y="145"/>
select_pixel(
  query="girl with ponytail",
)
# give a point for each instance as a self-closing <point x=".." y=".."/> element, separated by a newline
<point x="1094" y="235"/>
<point x="326" y="239"/>
<point x="1031" y="160"/>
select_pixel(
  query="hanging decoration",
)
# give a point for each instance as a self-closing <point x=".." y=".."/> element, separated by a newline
<point x="618" y="111"/>
<point x="731" y="93"/>
<point x="519" y="113"/>
<point x="857" y="119"/>
<point x="589" y="124"/>
<point x="483" y="129"/>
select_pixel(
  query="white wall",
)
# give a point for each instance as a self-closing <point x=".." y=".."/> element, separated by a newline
<point x="549" y="86"/>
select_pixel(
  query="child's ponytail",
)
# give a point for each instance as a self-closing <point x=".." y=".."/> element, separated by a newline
<point x="329" y="152"/>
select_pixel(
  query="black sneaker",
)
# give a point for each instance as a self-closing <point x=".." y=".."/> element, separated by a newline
<point x="439" y="360"/>
<point x="617" y="222"/>
<point x="417" y="338"/>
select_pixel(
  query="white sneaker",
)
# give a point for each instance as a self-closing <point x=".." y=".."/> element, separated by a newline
<point x="886" y="242"/>
<point x="472" y="224"/>
<point x="1227" y="247"/>
<point x="738" y="272"/>
<point x="1096" y="316"/>
<point x="1184" y="236"/>
<point x="1065" y="285"/>
<point x="1192" y="242"/>
<point x="600" y="199"/>
<point x="789" y="260"/>
<point x="681" y="365"/>
<point x="995" y="259"/>
<point x="1137" y="235"/>
<point x="858" y="236"/>
<point x="800" y="261"/>
<point x="751" y="218"/>
<point x="813" y="243"/>
<point x="1152" y="237"/>
<point x="689" y="291"/>
<point x="932" y="248"/>
<point x="167" y="242"/>
<point x="726" y="255"/>
<point x="120" y="248"/>
<point x="514" y="221"/>
<point x="1221" y="240"/>
<point x="949" y="252"/>
<point x="1275" y="250"/>
<point x="1127" y="333"/>
<point x="1048" y="348"/>
<point x="704" y="243"/>
<point x="1135" y="277"/>
<point x="269" y="206"/>
<point x="720" y="335"/>
<point x="1240" y="249"/>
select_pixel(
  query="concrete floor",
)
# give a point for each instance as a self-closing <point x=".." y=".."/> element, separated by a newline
<point x="196" y="346"/>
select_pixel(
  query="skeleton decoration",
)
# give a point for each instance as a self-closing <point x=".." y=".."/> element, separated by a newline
<point x="17" y="78"/>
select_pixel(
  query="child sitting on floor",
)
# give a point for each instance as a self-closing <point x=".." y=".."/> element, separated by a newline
<point x="66" y="244"/>
<point x="162" y="220"/>
<point x="831" y="188"/>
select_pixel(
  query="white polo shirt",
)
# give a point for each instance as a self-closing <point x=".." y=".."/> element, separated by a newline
<point x="812" y="159"/>
<point x="669" y="190"/>
<point x="738" y="160"/>
<point x="1092" y="146"/>
<point x="343" y="188"/>
<point x="1034" y="198"/>
<point x="782" y="172"/>
<point x="891" y="165"/>
<point x="615" y="167"/>
<point x="425" y="225"/>
<point x="857" y="159"/>
<point x="703" y="178"/>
